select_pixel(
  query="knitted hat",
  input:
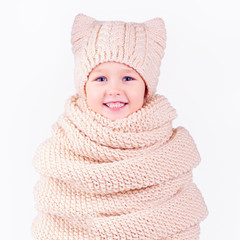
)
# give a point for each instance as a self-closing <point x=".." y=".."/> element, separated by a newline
<point x="138" y="45"/>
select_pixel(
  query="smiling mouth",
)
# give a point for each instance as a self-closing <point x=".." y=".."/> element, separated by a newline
<point x="115" y="108"/>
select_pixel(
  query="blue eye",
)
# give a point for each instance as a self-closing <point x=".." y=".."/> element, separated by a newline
<point x="100" y="78"/>
<point x="128" y="78"/>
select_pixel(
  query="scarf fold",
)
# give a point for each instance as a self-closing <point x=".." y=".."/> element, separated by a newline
<point x="125" y="179"/>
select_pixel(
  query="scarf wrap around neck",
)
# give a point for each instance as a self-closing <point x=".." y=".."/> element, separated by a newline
<point x="125" y="179"/>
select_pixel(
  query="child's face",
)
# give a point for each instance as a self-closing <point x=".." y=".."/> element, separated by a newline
<point x="111" y="82"/>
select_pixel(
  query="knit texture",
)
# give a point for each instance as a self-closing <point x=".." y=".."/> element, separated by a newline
<point x="124" y="179"/>
<point x="138" y="45"/>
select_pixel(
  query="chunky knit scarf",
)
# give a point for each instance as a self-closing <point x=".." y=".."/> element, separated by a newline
<point x="124" y="179"/>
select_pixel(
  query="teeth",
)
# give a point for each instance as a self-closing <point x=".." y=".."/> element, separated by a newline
<point x="115" y="105"/>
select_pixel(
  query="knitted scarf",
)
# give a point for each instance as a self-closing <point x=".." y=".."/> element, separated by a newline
<point x="125" y="179"/>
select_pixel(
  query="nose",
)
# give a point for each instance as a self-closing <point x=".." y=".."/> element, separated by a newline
<point x="114" y="88"/>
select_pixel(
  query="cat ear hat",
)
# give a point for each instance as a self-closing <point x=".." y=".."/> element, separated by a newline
<point x="138" y="45"/>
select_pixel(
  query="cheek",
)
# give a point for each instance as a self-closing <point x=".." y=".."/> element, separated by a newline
<point x="94" y="95"/>
<point x="137" y="93"/>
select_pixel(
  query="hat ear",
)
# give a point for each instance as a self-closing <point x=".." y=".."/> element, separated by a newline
<point x="79" y="28"/>
<point x="157" y="34"/>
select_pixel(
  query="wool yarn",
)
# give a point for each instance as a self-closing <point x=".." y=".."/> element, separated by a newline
<point x="124" y="179"/>
<point x="138" y="45"/>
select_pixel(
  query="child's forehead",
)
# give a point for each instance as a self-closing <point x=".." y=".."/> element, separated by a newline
<point x="114" y="66"/>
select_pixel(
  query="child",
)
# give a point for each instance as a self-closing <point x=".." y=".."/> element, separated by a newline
<point x="115" y="168"/>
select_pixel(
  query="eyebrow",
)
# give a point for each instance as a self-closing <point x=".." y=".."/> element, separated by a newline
<point x="125" y="70"/>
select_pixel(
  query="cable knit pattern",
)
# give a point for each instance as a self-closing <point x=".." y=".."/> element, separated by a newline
<point x="124" y="179"/>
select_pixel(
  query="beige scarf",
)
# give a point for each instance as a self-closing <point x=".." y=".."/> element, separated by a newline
<point x="124" y="179"/>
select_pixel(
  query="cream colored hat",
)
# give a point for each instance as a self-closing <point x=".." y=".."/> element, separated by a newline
<point x="138" y="45"/>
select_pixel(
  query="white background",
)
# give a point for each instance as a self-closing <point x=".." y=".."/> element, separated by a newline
<point x="199" y="75"/>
